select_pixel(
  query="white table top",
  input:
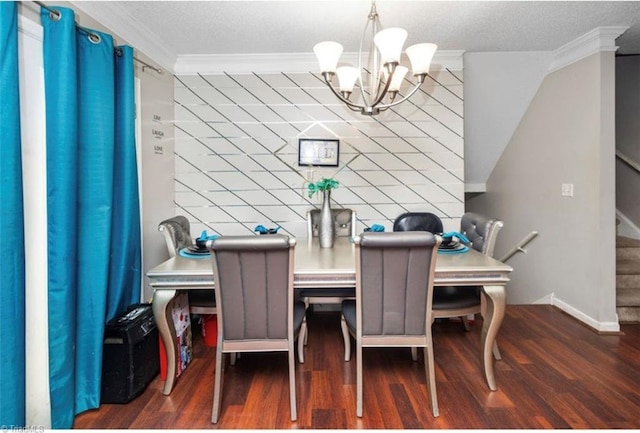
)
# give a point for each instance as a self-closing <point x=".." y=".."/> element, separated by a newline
<point x="332" y="267"/>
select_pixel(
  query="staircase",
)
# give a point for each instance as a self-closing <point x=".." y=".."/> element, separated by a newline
<point x="628" y="279"/>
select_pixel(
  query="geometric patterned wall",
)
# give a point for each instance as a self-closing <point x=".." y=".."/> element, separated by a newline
<point x="236" y="152"/>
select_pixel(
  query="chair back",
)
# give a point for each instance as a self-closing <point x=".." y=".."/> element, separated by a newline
<point x="481" y="231"/>
<point x="344" y="221"/>
<point x="394" y="282"/>
<point x="254" y="287"/>
<point x="418" y="221"/>
<point x="177" y="233"/>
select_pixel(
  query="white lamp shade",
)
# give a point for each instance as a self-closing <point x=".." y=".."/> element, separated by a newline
<point x="420" y="56"/>
<point x="389" y="42"/>
<point x="347" y="77"/>
<point x="328" y="54"/>
<point x="397" y="78"/>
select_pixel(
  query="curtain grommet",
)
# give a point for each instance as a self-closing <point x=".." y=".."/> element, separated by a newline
<point x="94" y="38"/>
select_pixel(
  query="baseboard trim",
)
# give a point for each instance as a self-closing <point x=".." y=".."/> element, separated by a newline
<point x="545" y="300"/>
<point x="600" y="327"/>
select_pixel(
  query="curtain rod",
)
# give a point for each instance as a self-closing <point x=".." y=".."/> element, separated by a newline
<point x="146" y="65"/>
<point x="87" y="31"/>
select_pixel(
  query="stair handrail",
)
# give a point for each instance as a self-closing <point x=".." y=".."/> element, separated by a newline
<point x="519" y="248"/>
<point x="628" y="160"/>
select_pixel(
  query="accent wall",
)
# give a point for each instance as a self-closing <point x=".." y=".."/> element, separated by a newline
<point x="236" y="152"/>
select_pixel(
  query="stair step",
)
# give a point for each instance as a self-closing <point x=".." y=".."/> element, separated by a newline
<point x="627" y="267"/>
<point x="627" y="282"/>
<point x="623" y="241"/>
<point x="627" y="248"/>
<point x="628" y="297"/>
<point x="628" y="279"/>
<point x="628" y="314"/>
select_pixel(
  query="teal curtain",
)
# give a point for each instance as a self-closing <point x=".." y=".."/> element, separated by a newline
<point x="92" y="204"/>
<point x="12" y="278"/>
<point x="126" y="266"/>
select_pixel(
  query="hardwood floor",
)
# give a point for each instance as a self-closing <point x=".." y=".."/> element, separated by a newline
<point x="554" y="373"/>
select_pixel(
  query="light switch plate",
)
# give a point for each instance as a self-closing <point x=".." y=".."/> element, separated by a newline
<point x="567" y="190"/>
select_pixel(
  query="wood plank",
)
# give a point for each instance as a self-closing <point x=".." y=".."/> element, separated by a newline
<point x="555" y="373"/>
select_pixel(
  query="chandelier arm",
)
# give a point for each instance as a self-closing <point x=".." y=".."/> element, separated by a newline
<point x="380" y="96"/>
<point x="414" y="90"/>
<point x="351" y="105"/>
<point x="361" y="81"/>
<point x="371" y="28"/>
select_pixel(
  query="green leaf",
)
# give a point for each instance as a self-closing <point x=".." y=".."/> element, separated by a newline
<point x="325" y="184"/>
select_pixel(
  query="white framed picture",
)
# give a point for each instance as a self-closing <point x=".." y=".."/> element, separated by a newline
<point x="318" y="152"/>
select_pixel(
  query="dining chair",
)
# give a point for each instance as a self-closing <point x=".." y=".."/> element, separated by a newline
<point x="177" y="234"/>
<point x="253" y="277"/>
<point x="345" y="225"/>
<point x="421" y="221"/>
<point x="461" y="301"/>
<point x="344" y="221"/>
<point x="394" y="290"/>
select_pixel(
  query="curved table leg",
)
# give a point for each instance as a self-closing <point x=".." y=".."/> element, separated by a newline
<point x="496" y="304"/>
<point x="167" y="331"/>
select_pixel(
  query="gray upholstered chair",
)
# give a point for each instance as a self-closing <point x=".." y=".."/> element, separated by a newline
<point x="256" y="309"/>
<point x="344" y="221"/>
<point x="177" y="234"/>
<point x="394" y="289"/>
<point x="345" y="225"/>
<point x="460" y="301"/>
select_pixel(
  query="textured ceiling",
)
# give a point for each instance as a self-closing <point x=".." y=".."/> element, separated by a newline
<point x="226" y="27"/>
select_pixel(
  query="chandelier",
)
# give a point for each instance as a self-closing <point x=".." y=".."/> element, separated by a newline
<point x="384" y="73"/>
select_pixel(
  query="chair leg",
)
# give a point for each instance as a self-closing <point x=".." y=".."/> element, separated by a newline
<point x="233" y="356"/>
<point x="346" y="338"/>
<point x="358" y="378"/>
<point x="302" y="336"/>
<point x="217" y="386"/>
<point x="431" y="378"/>
<point x="496" y="351"/>
<point x="465" y="323"/>
<point x="414" y="353"/>
<point x="306" y="307"/>
<point x="292" y="382"/>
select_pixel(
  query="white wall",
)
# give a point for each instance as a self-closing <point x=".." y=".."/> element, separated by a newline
<point x="498" y="89"/>
<point x="628" y="142"/>
<point x="157" y="147"/>
<point x="237" y="152"/>
<point x="565" y="136"/>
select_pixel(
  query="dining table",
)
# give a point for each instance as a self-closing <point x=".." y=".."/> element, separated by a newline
<point x="333" y="267"/>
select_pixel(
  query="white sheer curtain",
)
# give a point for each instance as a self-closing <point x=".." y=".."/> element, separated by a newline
<point x="38" y="405"/>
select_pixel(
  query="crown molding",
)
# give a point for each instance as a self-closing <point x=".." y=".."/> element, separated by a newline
<point x="283" y="62"/>
<point x="597" y="40"/>
<point x="117" y="20"/>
